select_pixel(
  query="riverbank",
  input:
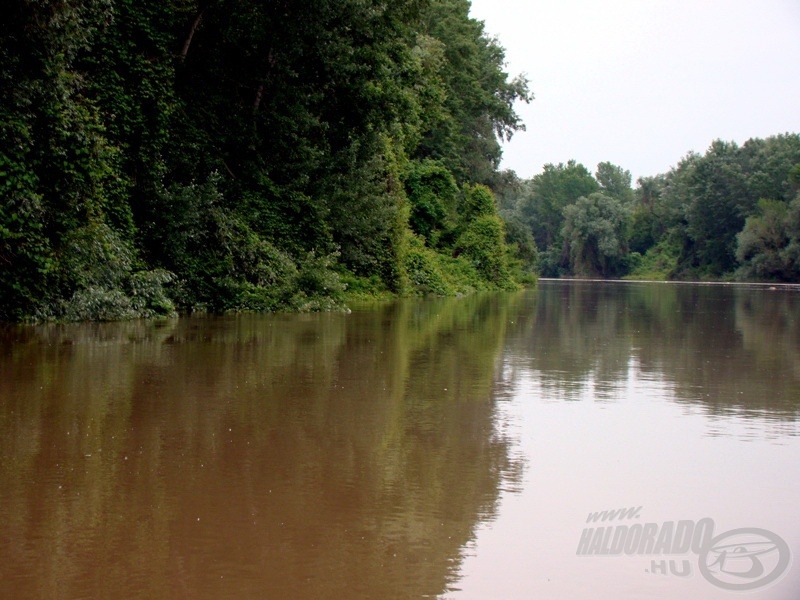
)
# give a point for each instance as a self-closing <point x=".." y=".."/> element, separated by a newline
<point x="762" y="284"/>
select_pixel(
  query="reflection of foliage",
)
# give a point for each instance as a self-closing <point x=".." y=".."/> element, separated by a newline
<point x="739" y="345"/>
<point x="267" y="450"/>
<point x="771" y="335"/>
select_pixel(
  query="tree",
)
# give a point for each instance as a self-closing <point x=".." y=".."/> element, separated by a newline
<point x="478" y="107"/>
<point x="482" y="238"/>
<point x="556" y="187"/>
<point x="615" y="182"/>
<point x="719" y="203"/>
<point x="768" y="164"/>
<point x="59" y="170"/>
<point x="705" y="201"/>
<point x="594" y="231"/>
<point x="237" y="153"/>
<point x="648" y="190"/>
<point x="769" y="245"/>
<point x="521" y="242"/>
<point x="646" y="226"/>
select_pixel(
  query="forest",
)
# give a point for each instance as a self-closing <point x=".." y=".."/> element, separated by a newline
<point x="732" y="213"/>
<point x="230" y="155"/>
<point x="245" y="155"/>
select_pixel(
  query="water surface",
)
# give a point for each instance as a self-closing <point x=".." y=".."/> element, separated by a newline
<point x="449" y="448"/>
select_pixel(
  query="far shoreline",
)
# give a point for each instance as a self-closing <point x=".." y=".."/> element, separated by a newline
<point x="767" y="285"/>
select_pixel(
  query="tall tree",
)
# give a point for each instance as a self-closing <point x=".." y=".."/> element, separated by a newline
<point x="556" y="187"/>
<point x="594" y="231"/>
<point x="720" y="201"/>
<point x="58" y="171"/>
<point x="479" y="97"/>
<point x="769" y="245"/>
<point x="614" y="181"/>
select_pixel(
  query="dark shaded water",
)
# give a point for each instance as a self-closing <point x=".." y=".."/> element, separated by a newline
<point x="428" y="448"/>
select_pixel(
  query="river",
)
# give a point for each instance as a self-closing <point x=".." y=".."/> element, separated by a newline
<point x="580" y="440"/>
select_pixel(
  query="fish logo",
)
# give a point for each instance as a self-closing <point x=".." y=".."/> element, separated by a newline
<point x="745" y="559"/>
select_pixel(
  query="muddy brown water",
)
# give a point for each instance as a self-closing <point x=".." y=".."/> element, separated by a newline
<point x="453" y="448"/>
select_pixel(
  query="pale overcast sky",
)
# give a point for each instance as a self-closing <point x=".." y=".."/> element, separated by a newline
<point x="641" y="83"/>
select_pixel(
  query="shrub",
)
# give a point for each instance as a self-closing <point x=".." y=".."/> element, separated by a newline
<point x="433" y="195"/>
<point x="424" y="271"/>
<point x="99" y="280"/>
<point x="657" y="264"/>
<point x="483" y="243"/>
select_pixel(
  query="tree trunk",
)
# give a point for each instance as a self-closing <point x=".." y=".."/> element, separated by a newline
<point x="195" y="24"/>
<point x="260" y="90"/>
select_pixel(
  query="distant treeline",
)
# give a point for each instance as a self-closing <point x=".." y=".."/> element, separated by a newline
<point x="731" y="213"/>
<point x="248" y="155"/>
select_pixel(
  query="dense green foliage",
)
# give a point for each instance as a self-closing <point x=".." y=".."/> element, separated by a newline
<point x="769" y="245"/>
<point x="221" y="155"/>
<point x="733" y="212"/>
<point x="594" y="228"/>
